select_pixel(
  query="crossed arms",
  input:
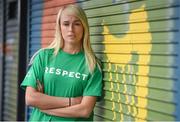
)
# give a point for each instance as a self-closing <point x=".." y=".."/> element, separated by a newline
<point x="59" y="106"/>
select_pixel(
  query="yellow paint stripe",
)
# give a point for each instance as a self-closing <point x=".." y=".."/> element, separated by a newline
<point x="132" y="38"/>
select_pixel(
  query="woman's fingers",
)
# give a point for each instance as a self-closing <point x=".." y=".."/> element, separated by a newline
<point x="40" y="86"/>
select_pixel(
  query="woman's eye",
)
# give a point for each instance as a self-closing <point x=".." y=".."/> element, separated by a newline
<point x="66" y="24"/>
<point x="77" y="23"/>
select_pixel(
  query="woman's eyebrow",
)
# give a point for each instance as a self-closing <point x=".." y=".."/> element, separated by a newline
<point x="73" y="21"/>
<point x="77" y="20"/>
<point x="66" y="21"/>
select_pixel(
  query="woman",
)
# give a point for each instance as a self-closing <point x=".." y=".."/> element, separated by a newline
<point x="65" y="80"/>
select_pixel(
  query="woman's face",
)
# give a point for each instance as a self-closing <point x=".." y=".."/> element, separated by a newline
<point x="71" y="28"/>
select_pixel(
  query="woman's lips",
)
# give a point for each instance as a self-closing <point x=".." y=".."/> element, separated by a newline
<point x="71" y="35"/>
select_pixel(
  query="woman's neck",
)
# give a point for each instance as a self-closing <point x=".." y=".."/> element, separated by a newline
<point x="71" y="49"/>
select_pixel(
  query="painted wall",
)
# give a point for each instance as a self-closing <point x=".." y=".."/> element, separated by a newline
<point x="138" y="44"/>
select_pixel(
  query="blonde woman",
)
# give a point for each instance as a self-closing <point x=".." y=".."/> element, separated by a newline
<point x="65" y="79"/>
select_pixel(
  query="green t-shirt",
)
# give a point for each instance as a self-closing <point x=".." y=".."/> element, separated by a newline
<point x="63" y="75"/>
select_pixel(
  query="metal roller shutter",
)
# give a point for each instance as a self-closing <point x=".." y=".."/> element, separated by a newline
<point x="34" y="32"/>
<point x="136" y="41"/>
<point x="35" y="20"/>
<point x="11" y="62"/>
<point x="1" y="53"/>
<point x="1" y="39"/>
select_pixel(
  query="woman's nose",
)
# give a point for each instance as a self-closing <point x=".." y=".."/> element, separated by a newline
<point x="71" y="27"/>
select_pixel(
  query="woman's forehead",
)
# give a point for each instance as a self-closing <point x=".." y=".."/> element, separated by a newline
<point x="69" y="11"/>
<point x="67" y="14"/>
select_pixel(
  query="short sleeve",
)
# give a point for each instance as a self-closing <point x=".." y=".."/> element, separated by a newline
<point x="94" y="85"/>
<point x="35" y="72"/>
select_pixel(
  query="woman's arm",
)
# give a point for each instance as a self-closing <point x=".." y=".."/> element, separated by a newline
<point x="83" y="109"/>
<point x="42" y="101"/>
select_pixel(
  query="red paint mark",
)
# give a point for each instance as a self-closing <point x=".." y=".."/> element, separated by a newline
<point x="8" y="49"/>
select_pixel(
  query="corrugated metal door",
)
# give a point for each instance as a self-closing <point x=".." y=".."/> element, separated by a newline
<point x="1" y="38"/>
<point x="34" y="33"/>
<point x="1" y="52"/>
<point x="11" y="62"/>
<point x="135" y="40"/>
<point x="35" y="21"/>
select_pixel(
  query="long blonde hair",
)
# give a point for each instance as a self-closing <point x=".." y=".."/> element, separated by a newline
<point x="57" y="43"/>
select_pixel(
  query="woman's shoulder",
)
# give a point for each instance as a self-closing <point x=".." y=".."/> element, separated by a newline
<point x="40" y="55"/>
<point x="43" y="52"/>
<point x="47" y="51"/>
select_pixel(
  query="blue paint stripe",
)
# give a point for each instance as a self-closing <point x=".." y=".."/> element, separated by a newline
<point x="36" y="34"/>
<point x="38" y="19"/>
<point x="34" y="47"/>
<point x="35" y="40"/>
<point x="38" y="13"/>
<point x="35" y="27"/>
<point x="177" y="63"/>
<point x="36" y="7"/>
<point x="35" y="20"/>
<point x="36" y="1"/>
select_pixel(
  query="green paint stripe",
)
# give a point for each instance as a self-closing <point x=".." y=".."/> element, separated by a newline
<point x="156" y="116"/>
<point x="158" y="83"/>
<point x="158" y="37"/>
<point x="163" y="25"/>
<point x="156" y="71"/>
<point x="110" y="115"/>
<point x="161" y="95"/>
<point x="165" y="10"/>
<point x="155" y="105"/>
<point x="160" y="49"/>
<point x="164" y="85"/>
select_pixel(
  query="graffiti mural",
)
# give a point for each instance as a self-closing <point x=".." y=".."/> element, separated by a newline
<point x="134" y="39"/>
<point x="131" y="41"/>
<point x="133" y="87"/>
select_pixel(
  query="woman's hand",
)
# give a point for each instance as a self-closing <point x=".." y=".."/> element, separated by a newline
<point x="84" y="109"/>
<point x="76" y="100"/>
<point x="40" y="86"/>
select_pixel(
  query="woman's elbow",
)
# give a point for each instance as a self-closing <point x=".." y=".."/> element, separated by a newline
<point x="86" y="113"/>
<point x="87" y="106"/>
<point x="28" y="103"/>
<point x="29" y="99"/>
